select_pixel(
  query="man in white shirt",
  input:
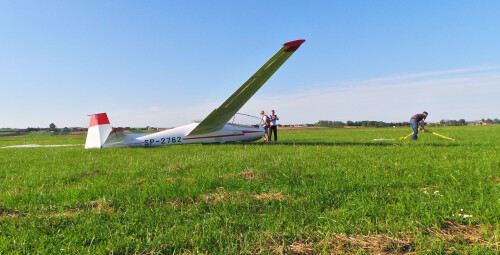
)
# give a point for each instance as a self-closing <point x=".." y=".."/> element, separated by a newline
<point x="273" y="126"/>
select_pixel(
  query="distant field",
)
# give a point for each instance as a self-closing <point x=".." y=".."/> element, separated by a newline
<point x="139" y="131"/>
<point x="315" y="191"/>
<point x="7" y="131"/>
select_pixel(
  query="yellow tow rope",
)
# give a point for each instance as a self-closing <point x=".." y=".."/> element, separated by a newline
<point x="434" y="133"/>
<point x="404" y="137"/>
<point x="440" y="135"/>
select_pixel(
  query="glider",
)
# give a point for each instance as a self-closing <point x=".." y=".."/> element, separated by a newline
<point x="213" y="129"/>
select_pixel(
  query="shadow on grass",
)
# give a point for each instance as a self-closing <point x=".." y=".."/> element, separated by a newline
<point x="291" y="143"/>
<point x="377" y="144"/>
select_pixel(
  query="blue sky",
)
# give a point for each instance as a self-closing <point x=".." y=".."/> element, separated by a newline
<point x="165" y="63"/>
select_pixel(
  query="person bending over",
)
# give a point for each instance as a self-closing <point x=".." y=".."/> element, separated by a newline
<point x="414" y="120"/>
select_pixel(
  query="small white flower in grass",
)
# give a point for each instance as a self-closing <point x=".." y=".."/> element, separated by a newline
<point x="465" y="215"/>
<point x="425" y="192"/>
<point x="436" y="193"/>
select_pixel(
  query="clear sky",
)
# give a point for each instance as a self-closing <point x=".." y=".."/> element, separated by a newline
<point x="166" y="63"/>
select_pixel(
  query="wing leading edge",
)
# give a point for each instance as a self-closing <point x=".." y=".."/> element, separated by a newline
<point x="220" y="116"/>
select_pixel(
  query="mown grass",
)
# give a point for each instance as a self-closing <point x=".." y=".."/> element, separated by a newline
<point x="315" y="191"/>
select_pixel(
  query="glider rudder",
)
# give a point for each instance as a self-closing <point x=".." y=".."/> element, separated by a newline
<point x="99" y="130"/>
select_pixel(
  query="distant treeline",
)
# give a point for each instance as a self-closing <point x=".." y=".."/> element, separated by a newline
<point x="462" y="122"/>
<point x="368" y="123"/>
<point x="364" y="123"/>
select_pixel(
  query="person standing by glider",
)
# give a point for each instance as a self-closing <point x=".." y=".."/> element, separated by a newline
<point x="414" y="120"/>
<point x="273" y="127"/>
<point x="265" y="124"/>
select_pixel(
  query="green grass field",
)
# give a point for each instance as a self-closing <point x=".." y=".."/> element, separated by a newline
<point x="315" y="191"/>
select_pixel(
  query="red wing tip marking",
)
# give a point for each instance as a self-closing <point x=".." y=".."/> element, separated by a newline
<point x="294" y="43"/>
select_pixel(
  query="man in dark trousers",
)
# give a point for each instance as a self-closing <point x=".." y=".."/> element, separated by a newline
<point x="414" y="120"/>
<point x="273" y="126"/>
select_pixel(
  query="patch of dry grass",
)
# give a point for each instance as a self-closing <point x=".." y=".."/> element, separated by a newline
<point x="99" y="206"/>
<point x="5" y="212"/>
<point x="338" y="243"/>
<point x="269" y="196"/>
<point x="91" y="173"/>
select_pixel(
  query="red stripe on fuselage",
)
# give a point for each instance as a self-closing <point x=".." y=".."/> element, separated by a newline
<point x="218" y="136"/>
<point x="249" y="132"/>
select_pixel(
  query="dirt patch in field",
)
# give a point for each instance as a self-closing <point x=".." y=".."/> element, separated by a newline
<point x="249" y="175"/>
<point x="92" y="173"/>
<point x="70" y="213"/>
<point x="141" y="182"/>
<point x="15" y="191"/>
<point x="99" y="206"/>
<point x="269" y="196"/>
<point x="459" y="233"/>
<point x="102" y="206"/>
<point x="219" y="195"/>
<point x="175" y="167"/>
<point x="453" y="234"/>
<point x="184" y="202"/>
<point x="379" y="244"/>
<point x="134" y="183"/>
<point x="5" y="212"/>
<point x="346" y="244"/>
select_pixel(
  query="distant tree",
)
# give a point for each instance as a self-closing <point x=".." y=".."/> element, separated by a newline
<point x="52" y="127"/>
<point x="462" y="122"/>
<point x="329" y="123"/>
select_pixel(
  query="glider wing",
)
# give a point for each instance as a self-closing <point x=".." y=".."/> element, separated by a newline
<point x="220" y="116"/>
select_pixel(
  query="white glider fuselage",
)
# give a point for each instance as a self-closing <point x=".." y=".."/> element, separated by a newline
<point x="215" y="128"/>
<point x="178" y="135"/>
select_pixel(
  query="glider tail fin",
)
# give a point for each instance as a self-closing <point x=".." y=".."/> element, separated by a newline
<point x="99" y="130"/>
